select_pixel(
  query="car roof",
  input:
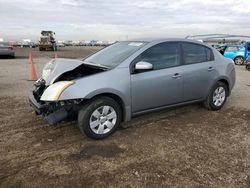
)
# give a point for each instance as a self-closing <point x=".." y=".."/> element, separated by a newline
<point x="160" y="40"/>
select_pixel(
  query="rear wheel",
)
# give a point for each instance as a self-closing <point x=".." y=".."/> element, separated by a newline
<point x="217" y="96"/>
<point x="99" y="118"/>
<point x="239" y="60"/>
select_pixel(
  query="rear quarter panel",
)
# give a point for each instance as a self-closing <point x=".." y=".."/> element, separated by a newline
<point x="226" y="70"/>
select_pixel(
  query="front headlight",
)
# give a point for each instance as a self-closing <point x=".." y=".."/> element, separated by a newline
<point x="53" y="92"/>
<point x="48" y="68"/>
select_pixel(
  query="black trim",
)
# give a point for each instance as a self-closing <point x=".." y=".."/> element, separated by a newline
<point x="137" y="113"/>
<point x="39" y="108"/>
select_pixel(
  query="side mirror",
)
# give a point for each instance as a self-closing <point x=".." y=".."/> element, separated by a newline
<point x="143" y="66"/>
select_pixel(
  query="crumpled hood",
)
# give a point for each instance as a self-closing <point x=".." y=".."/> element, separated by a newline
<point x="62" y="65"/>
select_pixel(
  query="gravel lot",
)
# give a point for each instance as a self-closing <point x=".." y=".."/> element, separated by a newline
<point x="181" y="147"/>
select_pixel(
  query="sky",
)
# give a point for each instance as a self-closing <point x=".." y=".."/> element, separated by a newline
<point x="122" y="19"/>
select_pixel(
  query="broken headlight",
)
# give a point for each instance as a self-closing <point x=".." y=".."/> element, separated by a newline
<point x="54" y="91"/>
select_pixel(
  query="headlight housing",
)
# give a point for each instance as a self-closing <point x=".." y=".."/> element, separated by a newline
<point x="48" y="68"/>
<point x="54" y="91"/>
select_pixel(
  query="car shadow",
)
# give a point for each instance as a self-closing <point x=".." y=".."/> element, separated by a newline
<point x="7" y="57"/>
<point x="160" y="115"/>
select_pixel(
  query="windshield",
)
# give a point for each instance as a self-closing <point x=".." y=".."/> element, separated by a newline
<point x="113" y="55"/>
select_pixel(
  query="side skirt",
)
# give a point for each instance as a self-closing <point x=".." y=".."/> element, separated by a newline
<point x="165" y="107"/>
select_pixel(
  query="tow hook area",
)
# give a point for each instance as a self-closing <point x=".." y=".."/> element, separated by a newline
<point x="56" y="117"/>
<point x="55" y="112"/>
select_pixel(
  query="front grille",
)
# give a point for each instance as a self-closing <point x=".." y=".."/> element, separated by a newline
<point x="44" y="40"/>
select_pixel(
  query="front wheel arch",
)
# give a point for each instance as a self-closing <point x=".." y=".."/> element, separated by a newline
<point x="116" y="98"/>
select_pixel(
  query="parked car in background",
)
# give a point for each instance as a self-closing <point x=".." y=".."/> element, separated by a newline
<point x="234" y="52"/>
<point x="6" y="50"/>
<point x="60" y="44"/>
<point x="27" y="43"/>
<point x="130" y="78"/>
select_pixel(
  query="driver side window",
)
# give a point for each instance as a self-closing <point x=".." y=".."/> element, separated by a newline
<point x="161" y="56"/>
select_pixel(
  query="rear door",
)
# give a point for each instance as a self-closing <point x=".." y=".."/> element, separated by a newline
<point x="199" y="71"/>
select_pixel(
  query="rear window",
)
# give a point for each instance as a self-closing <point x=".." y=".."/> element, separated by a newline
<point x="195" y="53"/>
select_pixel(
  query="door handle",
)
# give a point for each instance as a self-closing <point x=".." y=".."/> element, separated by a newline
<point x="210" y="69"/>
<point x="176" y="75"/>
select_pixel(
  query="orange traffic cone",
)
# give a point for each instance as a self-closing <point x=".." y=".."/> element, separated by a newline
<point x="32" y="69"/>
<point x="30" y="58"/>
<point x="55" y="55"/>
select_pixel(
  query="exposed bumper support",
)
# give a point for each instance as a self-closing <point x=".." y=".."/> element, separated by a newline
<point x="54" y="117"/>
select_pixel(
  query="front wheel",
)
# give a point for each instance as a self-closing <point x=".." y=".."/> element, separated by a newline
<point x="217" y="96"/>
<point x="99" y="118"/>
<point x="239" y="60"/>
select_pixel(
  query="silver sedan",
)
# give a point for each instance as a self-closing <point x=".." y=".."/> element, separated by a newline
<point x="131" y="78"/>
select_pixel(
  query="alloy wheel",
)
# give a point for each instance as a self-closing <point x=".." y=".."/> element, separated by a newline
<point x="103" y="119"/>
<point x="219" y="96"/>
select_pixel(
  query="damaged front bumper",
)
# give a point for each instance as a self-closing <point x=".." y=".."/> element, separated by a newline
<point x="51" y="118"/>
<point x="52" y="112"/>
<point x="39" y="108"/>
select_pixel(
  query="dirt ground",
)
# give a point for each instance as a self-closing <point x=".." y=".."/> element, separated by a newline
<point x="181" y="147"/>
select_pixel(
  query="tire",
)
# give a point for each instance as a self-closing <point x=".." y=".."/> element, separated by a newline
<point x="248" y="67"/>
<point x="239" y="60"/>
<point x="97" y="113"/>
<point x="214" y="102"/>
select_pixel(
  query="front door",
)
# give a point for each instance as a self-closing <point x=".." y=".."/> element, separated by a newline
<point x="162" y="85"/>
